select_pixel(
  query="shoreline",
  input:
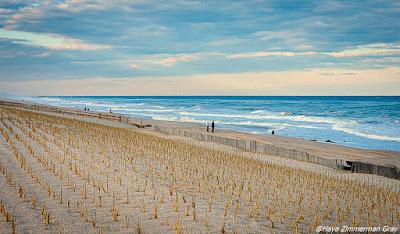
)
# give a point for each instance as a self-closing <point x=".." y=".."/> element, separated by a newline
<point x="380" y="162"/>
<point x="298" y="117"/>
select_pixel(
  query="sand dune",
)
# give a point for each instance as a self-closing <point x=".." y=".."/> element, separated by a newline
<point x="60" y="174"/>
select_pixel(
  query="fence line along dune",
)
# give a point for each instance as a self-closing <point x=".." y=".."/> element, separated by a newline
<point x="63" y="175"/>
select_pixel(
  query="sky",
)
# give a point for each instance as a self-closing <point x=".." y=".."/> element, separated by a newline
<point x="254" y="47"/>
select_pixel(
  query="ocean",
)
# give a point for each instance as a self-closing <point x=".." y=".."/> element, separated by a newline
<point x="363" y="122"/>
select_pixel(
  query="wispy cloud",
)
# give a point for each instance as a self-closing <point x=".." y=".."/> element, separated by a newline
<point x="147" y="30"/>
<point x="49" y="41"/>
<point x="29" y="13"/>
<point x="42" y="55"/>
<point x="33" y="11"/>
<point x="148" y="61"/>
<point x="169" y="60"/>
<point x="5" y="11"/>
<point x="379" y="49"/>
<point x="294" y="38"/>
<point x="88" y="5"/>
<point x="227" y="42"/>
<point x="270" y="54"/>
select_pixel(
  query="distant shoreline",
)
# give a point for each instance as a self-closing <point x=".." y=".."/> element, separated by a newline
<point x="222" y="129"/>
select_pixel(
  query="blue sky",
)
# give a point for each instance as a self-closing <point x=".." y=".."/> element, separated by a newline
<point x="59" y="42"/>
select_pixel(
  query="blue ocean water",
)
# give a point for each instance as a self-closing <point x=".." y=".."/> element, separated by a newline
<point x="365" y="122"/>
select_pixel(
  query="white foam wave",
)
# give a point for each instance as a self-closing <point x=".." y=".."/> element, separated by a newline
<point x="164" y="118"/>
<point x="366" y="135"/>
<point x="277" y="126"/>
<point x="137" y="104"/>
<point x="257" y="118"/>
<point x="257" y="111"/>
<point x="297" y="118"/>
<point x="146" y="110"/>
<point x="155" y="106"/>
<point x="287" y="113"/>
<point x="280" y="126"/>
<point x="268" y="124"/>
<point x="129" y="107"/>
<point x="44" y="100"/>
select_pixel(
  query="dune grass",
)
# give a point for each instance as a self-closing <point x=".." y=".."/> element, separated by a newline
<point x="117" y="179"/>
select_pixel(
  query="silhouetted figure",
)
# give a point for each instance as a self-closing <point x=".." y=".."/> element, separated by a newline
<point x="208" y="126"/>
<point x="110" y="111"/>
<point x="85" y="108"/>
<point x="212" y="126"/>
<point x="273" y="132"/>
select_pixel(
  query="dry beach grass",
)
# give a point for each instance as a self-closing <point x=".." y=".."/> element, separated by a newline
<point x="63" y="175"/>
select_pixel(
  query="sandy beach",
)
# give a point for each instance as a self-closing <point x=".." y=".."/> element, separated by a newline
<point x="74" y="174"/>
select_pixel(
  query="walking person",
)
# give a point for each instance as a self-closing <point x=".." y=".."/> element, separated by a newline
<point x="212" y="126"/>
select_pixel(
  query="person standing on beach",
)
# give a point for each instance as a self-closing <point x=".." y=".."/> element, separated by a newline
<point x="212" y="126"/>
<point x="110" y="111"/>
<point x="208" y="126"/>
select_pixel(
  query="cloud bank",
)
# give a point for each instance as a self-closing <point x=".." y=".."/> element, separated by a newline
<point x="60" y="41"/>
<point x="49" y="41"/>
<point x="312" y="82"/>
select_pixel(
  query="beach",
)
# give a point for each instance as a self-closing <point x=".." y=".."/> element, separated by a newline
<point x="329" y="154"/>
<point x="73" y="173"/>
